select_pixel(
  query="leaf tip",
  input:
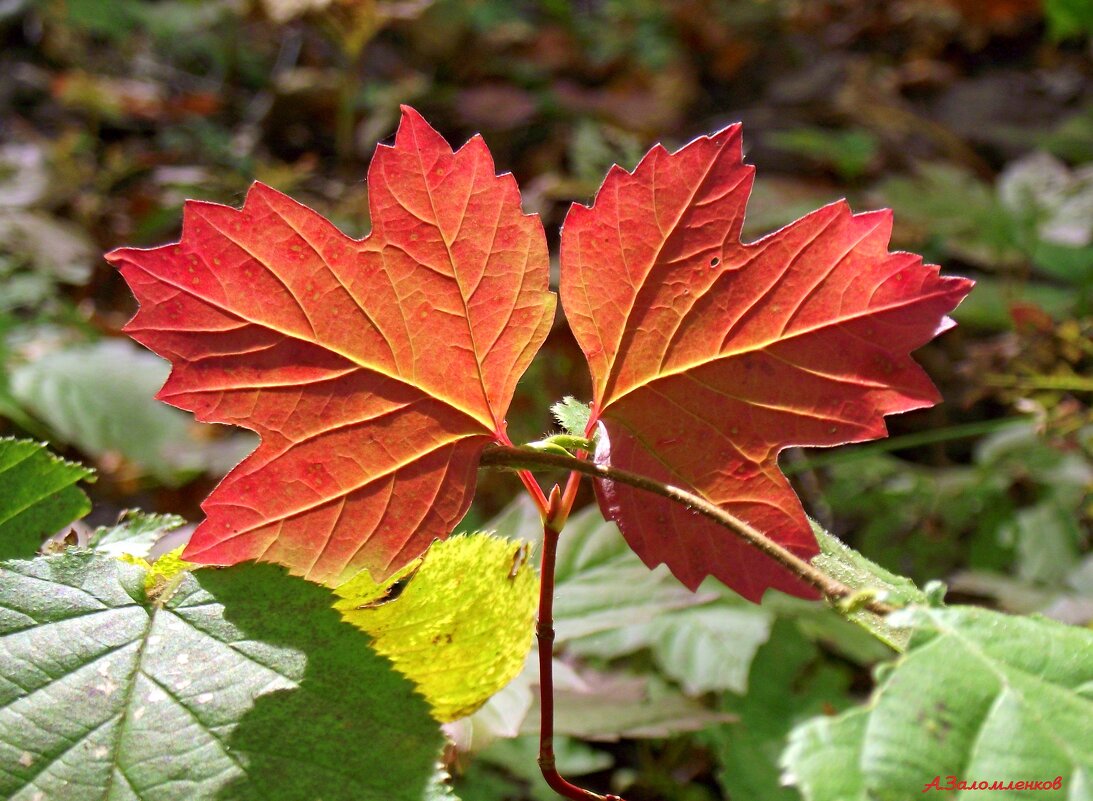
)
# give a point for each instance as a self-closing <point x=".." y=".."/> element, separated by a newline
<point x="406" y="111"/>
<point x="415" y="132"/>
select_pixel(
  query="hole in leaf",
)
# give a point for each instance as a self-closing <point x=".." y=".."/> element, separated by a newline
<point x="715" y="261"/>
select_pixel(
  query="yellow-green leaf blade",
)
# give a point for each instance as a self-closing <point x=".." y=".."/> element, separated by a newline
<point x="459" y="627"/>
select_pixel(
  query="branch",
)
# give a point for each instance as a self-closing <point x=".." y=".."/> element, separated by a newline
<point x="831" y="588"/>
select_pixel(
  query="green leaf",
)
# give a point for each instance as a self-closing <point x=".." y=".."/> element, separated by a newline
<point x="825" y="755"/>
<point x="52" y="251"/>
<point x="710" y="647"/>
<point x="518" y="757"/>
<point x="572" y="415"/>
<point x="458" y="622"/>
<point x="988" y="307"/>
<point x="38" y="496"/>
<point x="1048" y="537"/>
<point x="789" y="681"/>
<point x="850" y="152"/>
<point x="705" y="647"/>
<point x="135" y="533"/>
<point x="99" y="398"/>
<point x="1070" y="601"/>
<point x="871" y="580"/>
<point x="978" y="695"/>
<point x="960" y="212"/>
<point x="593" y="705"/>
<point x="243" y="684"/>
<point x="562" y="444"/>
<point x="519" y="520"/>
<point x="885" y="500"/>
<point x="824" y="625"/>
<point x="1067" y="18"/>
<point x="9" y="407"/>
<point x="602" y="585"/>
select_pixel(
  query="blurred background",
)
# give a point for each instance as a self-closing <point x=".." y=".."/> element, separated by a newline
<point x="972" y="119"/>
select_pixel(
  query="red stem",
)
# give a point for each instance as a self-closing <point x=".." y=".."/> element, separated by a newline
<point x="544" y="632"/>
<point x="571" y="485"/>
<point x="553" y="519"/>
<point x="528" y="480"/>
<point x="534" y="490"/>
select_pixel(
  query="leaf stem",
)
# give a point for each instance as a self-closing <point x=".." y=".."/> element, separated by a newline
<point x="569" y="495"/>
<point x="526" y="478"/>
<point x="544" y="633"/>
<point x="831" y="588"/>
<point x="533" y="488"/>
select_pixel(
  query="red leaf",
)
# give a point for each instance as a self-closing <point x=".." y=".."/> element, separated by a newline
<point x="375" y="371"/>
<point x="710" y="356"/>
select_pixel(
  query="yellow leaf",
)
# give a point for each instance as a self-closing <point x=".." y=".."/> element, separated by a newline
<point x="128" y="558"/>
<point x="159" y="572"/>
<point x="458" y="622"/>
<point x="171" y="564"/>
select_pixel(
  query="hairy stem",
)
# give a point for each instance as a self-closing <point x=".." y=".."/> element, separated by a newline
<point x="831" y="588"/>
<point x="544" y="633"/>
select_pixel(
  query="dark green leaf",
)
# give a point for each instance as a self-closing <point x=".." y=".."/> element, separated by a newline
<point x="1067" y="18"/>
<point x="38" y="496"/>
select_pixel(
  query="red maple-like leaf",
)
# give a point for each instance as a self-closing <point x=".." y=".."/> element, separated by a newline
<point x="375" y="371"/>
<point x="710" y="356"/>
